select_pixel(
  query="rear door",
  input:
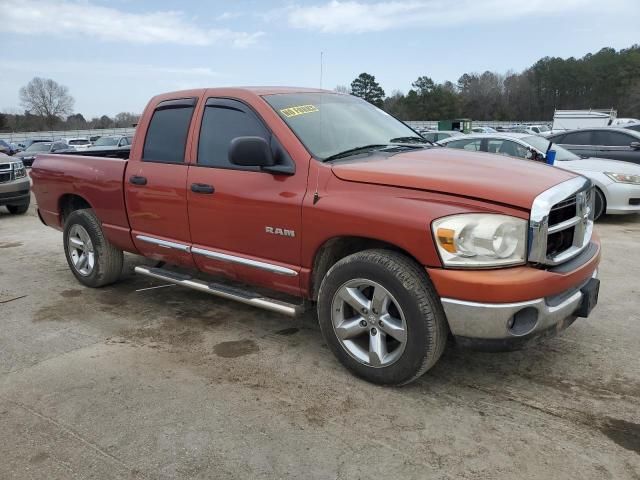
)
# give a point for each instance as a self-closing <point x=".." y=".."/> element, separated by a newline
<point x="616" y="145"/>
<point x="244" y="222"/>
<point x="155" y="186"/>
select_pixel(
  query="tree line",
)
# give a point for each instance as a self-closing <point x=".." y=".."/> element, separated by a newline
<point x="606" y="79"/>
<point x="27" y="122"/>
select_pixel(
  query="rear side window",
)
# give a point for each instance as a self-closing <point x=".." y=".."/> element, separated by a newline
<point x="167" y="133"/>
<point x="611" y="139"/>
<point x="466" y="144"/>
<point x="224" y="120"/>
<point x="577" y="138"/>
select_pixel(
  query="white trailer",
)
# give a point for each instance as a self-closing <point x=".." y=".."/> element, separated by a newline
<point x="574" y="119"/>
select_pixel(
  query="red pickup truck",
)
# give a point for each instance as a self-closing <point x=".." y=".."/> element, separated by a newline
<point x="331" y="201"/>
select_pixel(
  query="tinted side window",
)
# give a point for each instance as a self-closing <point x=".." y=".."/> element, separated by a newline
<point x="634" y="127"/>
<point x="167" y="135"/>
<point x="224" y="120"/>
<point x="577" y="138"/>
<point x="611" y="139"/>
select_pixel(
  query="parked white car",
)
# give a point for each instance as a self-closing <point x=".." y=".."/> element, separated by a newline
<point x="537" y="129"/>
<point x="79" y="143"/>
<point x="483" y="130"/>
<point x="617" y="184"/>
<point x="622" y="122"/>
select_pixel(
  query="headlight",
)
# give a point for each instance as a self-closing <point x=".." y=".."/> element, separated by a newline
<point x="624" y="177"/>
<point x="18" y="169"/>
<point x="477" y="240"/>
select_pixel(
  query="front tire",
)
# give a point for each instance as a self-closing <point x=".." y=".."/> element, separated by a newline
<point x="381" y="317"/>
<point x="92" y="259"/>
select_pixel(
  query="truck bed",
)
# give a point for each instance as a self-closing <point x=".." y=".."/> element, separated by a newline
<point x="97" y="179"/>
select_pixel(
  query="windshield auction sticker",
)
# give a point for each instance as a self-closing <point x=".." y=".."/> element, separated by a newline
<point x="299" y="110"/>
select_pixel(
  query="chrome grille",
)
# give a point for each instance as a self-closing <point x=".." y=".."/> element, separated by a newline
<point x="561" y="222"/>
<point x="6" y="172"/>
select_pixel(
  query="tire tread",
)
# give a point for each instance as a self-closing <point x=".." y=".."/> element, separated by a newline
<point x="415" y="280"/>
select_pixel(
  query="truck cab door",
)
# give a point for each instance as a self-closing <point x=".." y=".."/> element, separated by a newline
<point x="155" y="185"/>
<point x="245" y="223"/>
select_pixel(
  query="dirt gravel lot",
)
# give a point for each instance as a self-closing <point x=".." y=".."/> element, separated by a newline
<point x="170" y="383"/>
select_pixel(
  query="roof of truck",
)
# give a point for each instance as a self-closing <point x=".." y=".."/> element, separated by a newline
<point x="265" y="90"/>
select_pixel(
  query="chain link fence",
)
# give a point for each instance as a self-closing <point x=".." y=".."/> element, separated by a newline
<point x="58" y="134"/>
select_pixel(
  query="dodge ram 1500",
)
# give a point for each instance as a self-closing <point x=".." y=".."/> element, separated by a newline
<point x="331" y="201"/>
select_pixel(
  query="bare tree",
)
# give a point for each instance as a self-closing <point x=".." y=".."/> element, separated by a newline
<point x="47" y="98"/>
<point x="342" y="89"/>
<point x="126" y="119"/>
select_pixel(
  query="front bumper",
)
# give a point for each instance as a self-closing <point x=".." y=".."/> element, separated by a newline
<point x="622" y="198"/>
<point x="498" y="326"/>
<point x="15" y="192"/>
<point x="506" y="308"/>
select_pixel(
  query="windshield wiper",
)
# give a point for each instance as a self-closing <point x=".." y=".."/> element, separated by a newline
<point x="409" y="140"/>
<point x="353" y="151"/>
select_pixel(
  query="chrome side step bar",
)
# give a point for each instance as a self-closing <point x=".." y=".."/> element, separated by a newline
<point x="230" y="293"/>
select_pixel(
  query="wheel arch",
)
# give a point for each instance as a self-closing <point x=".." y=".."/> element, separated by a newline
<point x="69" y="203"/>
<point x="604" y="193"/>
<point x="336" y="248"/>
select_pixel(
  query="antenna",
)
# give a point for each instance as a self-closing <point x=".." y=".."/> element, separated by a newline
<point x="321" y="62"/>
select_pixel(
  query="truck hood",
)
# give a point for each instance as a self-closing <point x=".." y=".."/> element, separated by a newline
<point x="483" y="176"/>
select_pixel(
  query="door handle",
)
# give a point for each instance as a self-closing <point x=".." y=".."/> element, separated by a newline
<point x="202" y="188"/>
<point x="137" y="180"/>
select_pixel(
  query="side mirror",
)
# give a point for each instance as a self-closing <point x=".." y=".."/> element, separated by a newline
<point x="635" y="145"/>
<point x="251" y="152"/>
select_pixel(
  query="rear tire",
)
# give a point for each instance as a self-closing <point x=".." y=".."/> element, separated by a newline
<point x="600" y="204"/>
<point x="18" y="209"/>
<point x="398" y="330"/>
<point x="92" y="259"/>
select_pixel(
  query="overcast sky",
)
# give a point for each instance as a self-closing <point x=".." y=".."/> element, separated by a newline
<point x="114" y="55"/>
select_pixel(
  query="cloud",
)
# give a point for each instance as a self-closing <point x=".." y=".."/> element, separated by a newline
<point x="116" y="69"/>
<point x="72" y="18"/>
<point x="353" y="16"/>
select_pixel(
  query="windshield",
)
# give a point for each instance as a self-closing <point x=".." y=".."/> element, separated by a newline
<point x="329" y="123"/>
<point x="39" y="147"/>
<point x="79" y="142"/>
<point x="542" y="144"/>
<point x="543" y="128"/>
<point x="106" y="142"/>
